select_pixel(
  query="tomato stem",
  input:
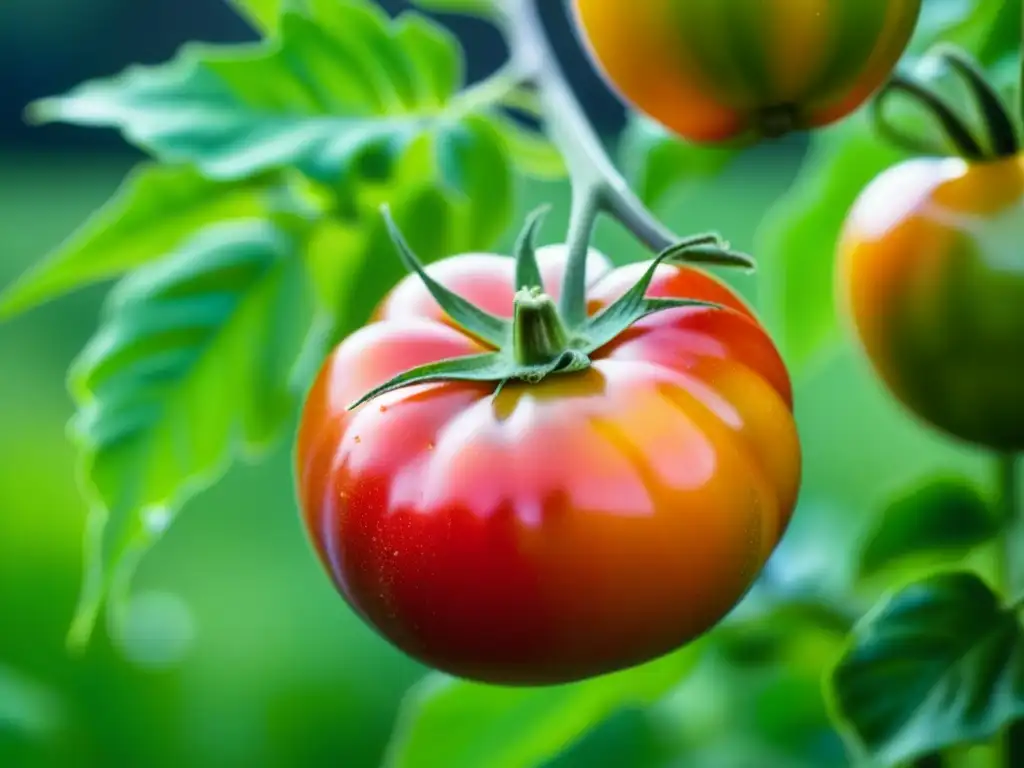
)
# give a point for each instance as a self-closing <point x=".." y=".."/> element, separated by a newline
<point x="1009" y="745"/>
<point x="538" y="335"/>
<point x="598" y="187"/>
<point x="586" y="207"/>
<point x="777" y="121"/>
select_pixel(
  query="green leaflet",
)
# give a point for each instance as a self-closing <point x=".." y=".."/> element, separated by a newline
<point x="352" y="258"/>
<point x="943" y="517"/>
<point x="335" y="85"/>
<point x="367" y="108"/>
<point x="188" y="369"/>
<point x="155" y="210"/>
<point x="940" y="663"/>
<point x="458" y="724"/>
<point x="531" y="152"/>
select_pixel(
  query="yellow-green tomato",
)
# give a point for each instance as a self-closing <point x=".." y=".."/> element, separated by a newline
<point x="931" y="274"/>
<point x="732" y="71"/>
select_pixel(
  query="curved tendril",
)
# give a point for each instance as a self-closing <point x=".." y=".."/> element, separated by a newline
<point x="1001" y="130"/>
<point x="953" y="126"/>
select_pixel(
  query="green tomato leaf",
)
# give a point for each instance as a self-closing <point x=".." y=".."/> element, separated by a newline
<point x="340" y="86"/>
<point x="188" y="369"/>
<point x="460" y="724"/>
<point x="365" y="107"/>
<point x="352" y="257"/>
<point x="659" y="163"/>
<point x="942" y="517"/>
<point x="981" y="26"/>
<point x="940" y="663"/>
<point x="531" y="151"/>
<point x="155" y="210"/>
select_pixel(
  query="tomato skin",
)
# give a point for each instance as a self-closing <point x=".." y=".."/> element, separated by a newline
<point x="722" y="71"/>
<point x="558" y="530"/>
<point x="931" y="275"/>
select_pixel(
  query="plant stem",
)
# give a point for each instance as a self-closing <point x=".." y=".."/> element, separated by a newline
<point x="1012" y="517"/>
<point x="597" y="184"/>
<point x="492" y="90"/>
<point x="1011" y="572"/>
<point x="586" y="206"/>
<point x="538" y="336"/>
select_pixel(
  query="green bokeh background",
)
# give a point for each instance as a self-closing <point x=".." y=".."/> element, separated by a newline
<point x="239" y="652"/>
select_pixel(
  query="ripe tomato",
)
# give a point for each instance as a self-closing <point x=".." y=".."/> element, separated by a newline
<point x="558" y="530"/>
<point x="722" y="70"/>
<point x="932" y="275"/>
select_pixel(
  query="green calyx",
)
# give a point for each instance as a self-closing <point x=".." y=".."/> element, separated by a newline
<point x="537" y="342"/>
<point x="538" y="334"/>
<point x="1001" y="139"/>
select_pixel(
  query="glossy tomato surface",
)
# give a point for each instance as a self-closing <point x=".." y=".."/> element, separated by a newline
<point x="733" y="70"/>
<point x="558" y="530"/>
<point x="932" y="275"/>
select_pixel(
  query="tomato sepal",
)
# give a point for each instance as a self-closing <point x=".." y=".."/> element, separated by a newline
<point x="487" y="367"/>
<point x="487" y="327"/>
<point x="1002" y="136"/>
<point x="527" y="270"/>
<point x="537" y="343"/>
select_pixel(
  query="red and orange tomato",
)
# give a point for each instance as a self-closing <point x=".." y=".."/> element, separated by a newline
<point x="931" y="273"/>
<point x="559" y="530"/>
<point x="717" y="71"/>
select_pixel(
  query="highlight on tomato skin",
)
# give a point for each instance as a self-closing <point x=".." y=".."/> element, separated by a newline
<point x="735" y="71"/>
<point x="931" y="278"/>
<point x="560" y="530"/>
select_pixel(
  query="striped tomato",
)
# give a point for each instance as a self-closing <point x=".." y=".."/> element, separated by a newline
<point x="541" y="533"/>
<point x="932" y="279"/>
<point x="735" y="70"/>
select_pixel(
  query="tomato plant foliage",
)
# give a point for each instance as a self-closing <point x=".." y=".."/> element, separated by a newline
<point x="273" y="158"/>
<point x="249" y="242"/>
<point x="940" y="663"/>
